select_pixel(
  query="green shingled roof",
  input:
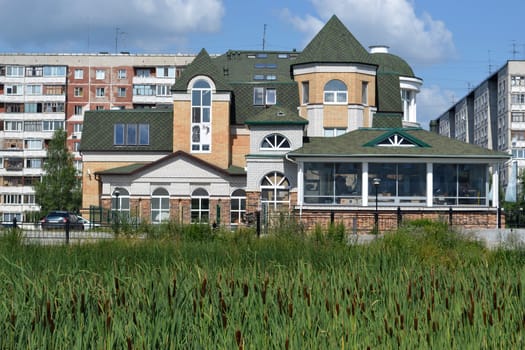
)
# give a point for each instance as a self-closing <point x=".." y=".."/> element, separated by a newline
<point x="334" y="43"/>
<point x="276" y="115"/>
<point x="97" y="133"/>
<point x="388" y="93"/>
<point x="202" y="65"/>
<point x="389" y="63"/>
<point x="357" y="144"/>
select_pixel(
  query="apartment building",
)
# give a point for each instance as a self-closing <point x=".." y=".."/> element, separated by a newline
<point x="40" y="93"/>
<point x="492" y="115"/>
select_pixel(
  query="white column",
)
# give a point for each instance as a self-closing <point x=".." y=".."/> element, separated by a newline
<point x="430" y="186"/>
<point x="495" y="187"/>
<point x="364" y="185"/>
<point x="300" y="183"/>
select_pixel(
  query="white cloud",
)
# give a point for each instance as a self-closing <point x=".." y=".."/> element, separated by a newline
<point x="432" y="101"/>
<point x="419" y="39"/>
<point x="147" y="23"/>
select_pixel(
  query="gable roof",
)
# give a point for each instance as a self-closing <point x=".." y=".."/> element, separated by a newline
<point x="333" y="44"/>
<point x="97" y="133"/>
<point x="140" y="167"/>
<point x="276" y="115"/>
<point x="357" y="144"/>
<point x="201" y="65"/>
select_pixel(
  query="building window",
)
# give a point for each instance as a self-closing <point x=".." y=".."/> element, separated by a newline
<point x="264" y="96"/>
<point x="99" y="108"/>
<point x="34" y="163"/>
<point x="33" y="71"/>
<point x="55" y="71"/>
<point x="77" y="128"/>
<point x="201" y="116"/>
<point x="160" y="206"/>
<point x="79" y="74"/>
<point x="401" y="183"/>
<point x="275" y="142"/>
<point x="53" y="107"/>
<point x="144" y="90"/>
<point x="100" y="92"/>
<point x="200" y="206"/>
<point x="332" y="132"/>
<point x="237" y="207"/>
<point x="78" y="110"/>
<point x="100" y="74"/>
<point x="121" y="92"/>
<point x="54" y="90"/>
<point x="143" y="73"/>
<point x="33" y="144"/>
<point x="163" y="90"/>
<point x="14" y="90"/>
<point x="11" y="125"/>
<point x="460" y="184"/>
<point x="165" y="72"/>
<point x="52" y="125"/>
<point x="122" y="74"/>
<point x="33" y="89"/>
<point x="120" y="203"/>
<point x="275" y="189"/>
<point x="364" y="93"/>
<point x="306" y="92"/>
<point x="14" y="71"/>
<point x="335" y="91"/>
<point x="78" y="92"/>
<point x="332" y="183"/>
<point x="33" y="125"/>
<point x="131" y="134"/>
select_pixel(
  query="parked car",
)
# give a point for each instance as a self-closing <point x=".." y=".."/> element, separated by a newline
<point x="57" y="220"/>
<point x="87" y="224"/>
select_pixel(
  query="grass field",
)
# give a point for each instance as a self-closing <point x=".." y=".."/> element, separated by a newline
<point x="419" y="287"/>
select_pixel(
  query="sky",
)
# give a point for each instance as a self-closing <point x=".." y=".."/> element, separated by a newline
<point x="451" y="45"/>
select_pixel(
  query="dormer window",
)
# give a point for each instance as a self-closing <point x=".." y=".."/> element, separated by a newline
<point x="275" y="142"/>
<point x="264" y="96"/>
<point x="335" y="91"/>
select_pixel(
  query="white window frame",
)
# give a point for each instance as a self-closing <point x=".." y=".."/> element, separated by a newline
<point x="100" y="74"/>
<point x="100" y="92"/>
<point x="201" y="109"/>
<point x="274" y="186"/>
<point x="79" y="74"/>
<point x="335" y="92"/>
<point x="275" y="142"/>
<point x="160" y="206"/>
<point x="200" y="206"/>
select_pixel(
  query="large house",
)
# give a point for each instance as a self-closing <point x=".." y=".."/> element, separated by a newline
<point x="329" y="131"/>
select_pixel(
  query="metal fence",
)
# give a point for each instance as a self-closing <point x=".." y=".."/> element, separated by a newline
<point x="32" y="233"/>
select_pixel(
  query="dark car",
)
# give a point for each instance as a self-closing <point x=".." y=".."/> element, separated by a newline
<point x="57" y="220"/>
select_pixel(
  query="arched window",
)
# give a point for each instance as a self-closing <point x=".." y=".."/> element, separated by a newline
<point x="335" y="91"/>
<point x="160" y="205"/>
<point x="200" y="206"/>
<point x="275" y="189"/>
<point x="201" y="116"/>
<point x="237" y="207"/>
<point x="120" y="201"/>
<point x="275" y="142"/>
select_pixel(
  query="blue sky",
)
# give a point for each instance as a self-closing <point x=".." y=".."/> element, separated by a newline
<point x="451" y="45"/>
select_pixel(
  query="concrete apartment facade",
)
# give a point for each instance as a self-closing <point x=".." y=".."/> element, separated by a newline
<point x="40" y="93"/>
<point x="492" y="115"/>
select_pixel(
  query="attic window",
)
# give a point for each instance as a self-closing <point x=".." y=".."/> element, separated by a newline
<point x="395" y="140"/>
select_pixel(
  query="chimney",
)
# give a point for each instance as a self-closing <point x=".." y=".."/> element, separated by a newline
<point x="378" y="49"/>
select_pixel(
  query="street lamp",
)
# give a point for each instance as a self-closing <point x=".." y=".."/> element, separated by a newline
<point x="376" y="181"/>
<point x="116" y="193"/>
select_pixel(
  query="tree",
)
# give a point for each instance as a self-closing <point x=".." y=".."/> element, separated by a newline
<point x="60" y="187"/>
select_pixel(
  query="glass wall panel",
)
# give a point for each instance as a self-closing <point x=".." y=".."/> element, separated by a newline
<point x="332" y="183"/>
<point x="399" y="183"/>
<point x="460" y="184"/>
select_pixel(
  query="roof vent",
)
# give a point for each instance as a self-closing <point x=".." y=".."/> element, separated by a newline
<point x="378" y="49"/>
<point x="281" y="114"/>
